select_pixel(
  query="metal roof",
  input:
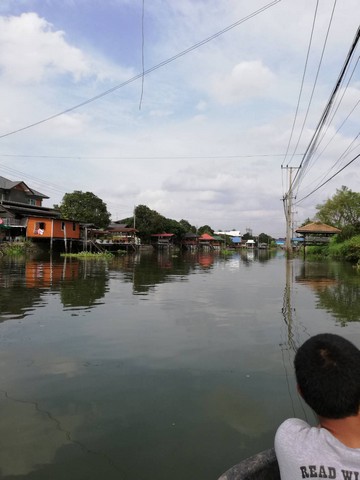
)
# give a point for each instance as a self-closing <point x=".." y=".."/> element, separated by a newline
<point x="6" y="184"/>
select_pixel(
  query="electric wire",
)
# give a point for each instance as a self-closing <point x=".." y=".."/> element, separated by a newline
<point x="146" y="72"/>
<point x="328" y="180"/>
<point x="348" y="150"/>
<point x="302" y="82"/>
<point x="129" y="157"/>
<point x="142" y="53"/>
<point x="325" y="130"/>
<point x="315" y="81"/>
<point x="336" y="110"/>
<point x="314" y="140"/>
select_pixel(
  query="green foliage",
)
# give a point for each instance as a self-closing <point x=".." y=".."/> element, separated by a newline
<point x="89" y="255"/>
<point x="247" y="236"/>
<point x="14" y="249"/>
<point x="306" y="222"/>
<point x="149" y="221"/>
<point x="205" y="229"/>
<point x="188" y="228"/>
<point x="347" y="232"/>
<point x="317" y="251"/>
<point x="85" y="207"/>
<point x="263" y="238"/>
<point x="342" y="210"/>
<point x="348" y="250"/>
<point x="226" y="252"/>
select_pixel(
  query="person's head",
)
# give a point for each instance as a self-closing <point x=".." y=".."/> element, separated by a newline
<point x="327" y="369"/>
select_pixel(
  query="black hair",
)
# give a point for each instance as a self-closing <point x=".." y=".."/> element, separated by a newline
<point x="327" y="369"/>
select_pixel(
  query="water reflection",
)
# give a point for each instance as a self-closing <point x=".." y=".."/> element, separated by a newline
<point x="24" y="284"/>
<point x="172" y="369"/>
<point x="336" y="286"/>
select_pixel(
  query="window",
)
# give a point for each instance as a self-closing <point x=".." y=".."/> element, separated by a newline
<point x="63" y="226"/>
<point x="74" y="226"/>
<point x="32" y="201"/>
<point x="39" y="228"/>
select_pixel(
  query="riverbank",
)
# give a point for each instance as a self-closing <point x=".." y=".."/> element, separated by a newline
<point x="349" y="250"/>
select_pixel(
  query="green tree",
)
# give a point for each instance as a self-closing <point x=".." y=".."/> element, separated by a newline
<point x="84" y="207"/>
<point x="342" y="210"/>
<point x="306" y="222"/>
<point x="263" y="238"/>
<point x="205" y="229"/>
<point x="247" y="236"/>
<point x="187" y="226"/>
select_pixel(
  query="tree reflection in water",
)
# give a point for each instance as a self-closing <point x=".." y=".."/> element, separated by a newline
<point x="336" y="287"/>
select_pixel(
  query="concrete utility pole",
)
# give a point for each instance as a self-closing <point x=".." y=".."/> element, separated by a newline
<point x="288" y="198"/>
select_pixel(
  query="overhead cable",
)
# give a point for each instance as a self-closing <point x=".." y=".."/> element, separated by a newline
<point x="302" y="83"/>
<point x="328" y="180"/>
<point x="146" y="72"/>
<point x="314" y="140"/>
<point x="315" y="81"/>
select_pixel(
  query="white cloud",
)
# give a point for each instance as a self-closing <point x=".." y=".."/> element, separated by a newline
<point x="184" y="152"/>
<point x="34" y="50"/>
<point x="246" y="80"/>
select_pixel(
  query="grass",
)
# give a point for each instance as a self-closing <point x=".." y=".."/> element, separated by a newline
<point x="14" y="249"/>
<point x="89" y="255"/>
<point x="348" y="250"/>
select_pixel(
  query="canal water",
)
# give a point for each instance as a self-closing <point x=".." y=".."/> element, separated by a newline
<point x="156" y="366"/>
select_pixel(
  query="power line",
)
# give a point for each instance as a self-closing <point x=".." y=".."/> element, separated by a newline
<point x="302" y="84"/>
<point x="315" y="81"/>
<point x="129" y="157"/>
<point x="328" y="180"/>
<point x="314" y="140"/>
<point x="146" y="72"/>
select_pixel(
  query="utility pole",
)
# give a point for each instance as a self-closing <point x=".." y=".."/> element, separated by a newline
<point x="288" y="198"/>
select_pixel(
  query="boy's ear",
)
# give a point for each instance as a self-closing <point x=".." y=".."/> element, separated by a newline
<point x="299" y="390"/>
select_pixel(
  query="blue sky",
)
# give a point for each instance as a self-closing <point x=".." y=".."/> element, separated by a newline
<point x="201" y="138"/>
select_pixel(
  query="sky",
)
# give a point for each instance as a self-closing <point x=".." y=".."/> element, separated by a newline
<point x="199" y="109"/>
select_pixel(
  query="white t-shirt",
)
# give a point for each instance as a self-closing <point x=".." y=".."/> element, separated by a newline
<point x="306" y="452"/>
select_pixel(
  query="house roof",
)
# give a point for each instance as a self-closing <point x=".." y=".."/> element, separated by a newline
<point x="120" y="228"/>
<point x="162" y="234"/>
<point x="190" y="235"/>
<point x="26" y="210"/>
<point x="6" y="184"/>
<point x="206" y="236"/>
<point x="230" y="233"/>
<point x="317" y="227"/>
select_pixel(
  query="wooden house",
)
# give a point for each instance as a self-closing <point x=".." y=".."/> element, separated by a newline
<point x="317" y="233"/>
<point x="250" y="244"/>
<point x="19" y="192"/>
<point x="22" y="216"/>
<point x="190" y="241"/>
<point x="162" y="240"/>
<point x="207" y="242"/>
<point x="115" y="236"/>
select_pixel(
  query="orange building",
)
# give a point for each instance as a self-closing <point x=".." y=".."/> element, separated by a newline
<point x="55" y="228"/>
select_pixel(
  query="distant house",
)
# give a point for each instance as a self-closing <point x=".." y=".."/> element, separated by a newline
<point x="250" y="244"/>
<point x="229" y="233"/>
<point x="190" y="241"/>
<point x="280" y="242"/>
<point x="23" y="216"/>
<point x="162" y="240"/>
<point x="116" y="234"/>
<point x="207" y="242"/>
